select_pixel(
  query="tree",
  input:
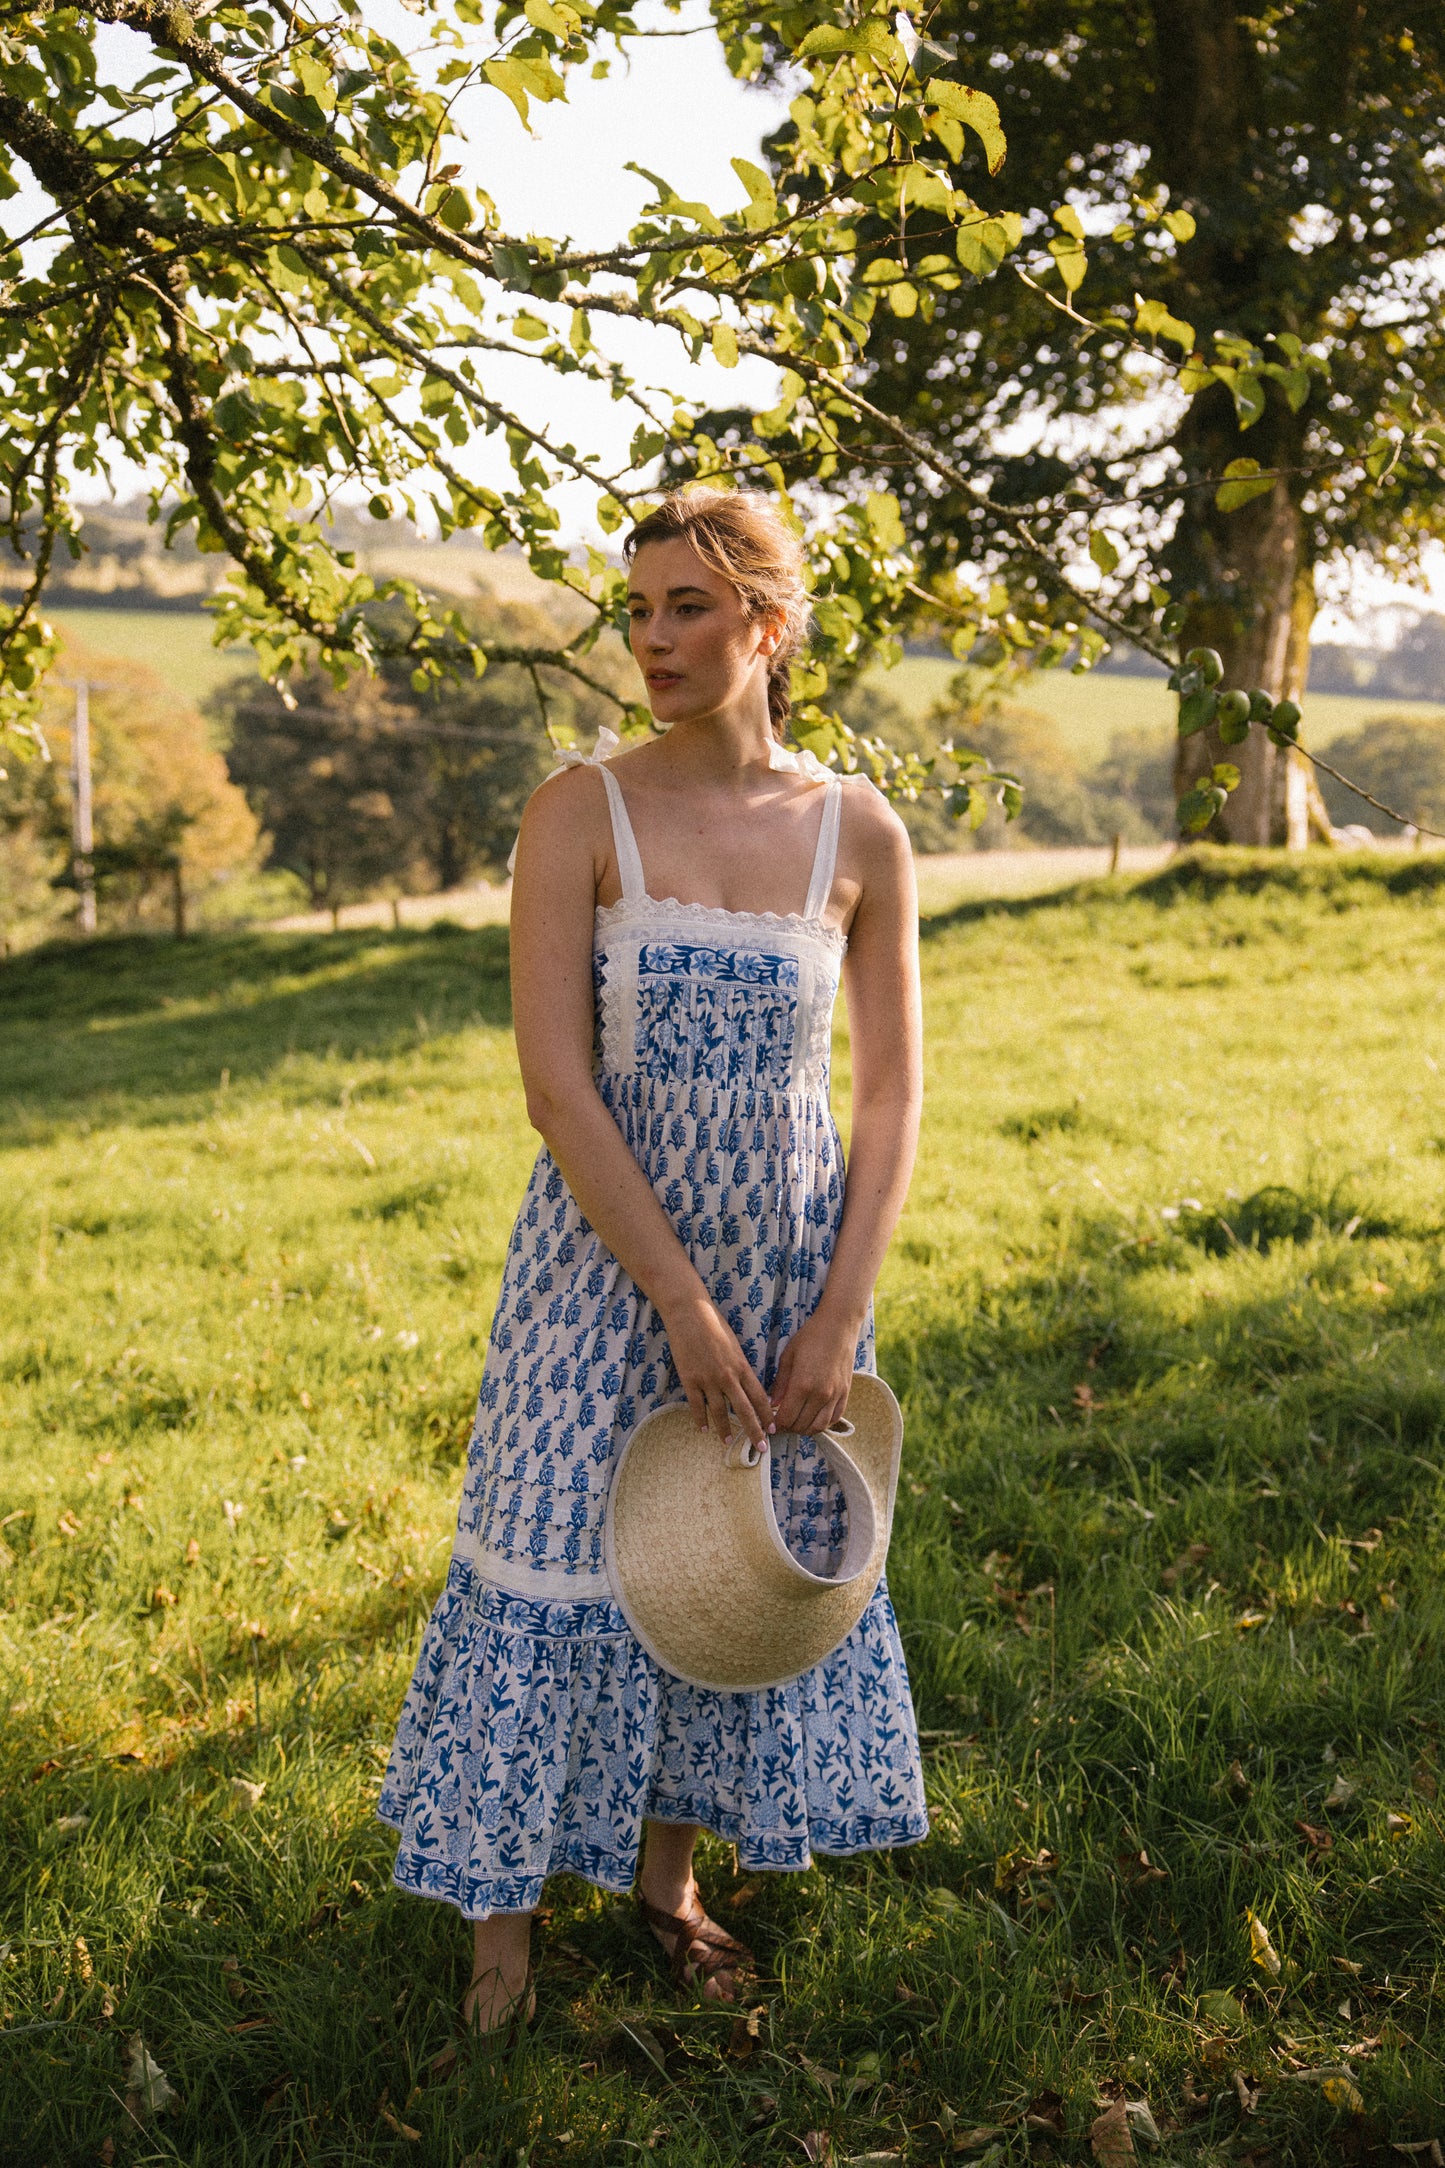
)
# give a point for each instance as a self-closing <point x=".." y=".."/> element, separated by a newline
<point x="375" y="786"/>
<point x="168" y="820"/>
<point x="268" y="274"/>
<point x="1400" y="759"/>
<point x="1291" y="166"/>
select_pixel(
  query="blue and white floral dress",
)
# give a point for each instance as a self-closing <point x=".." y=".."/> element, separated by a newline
<point x="536" y="1735"/>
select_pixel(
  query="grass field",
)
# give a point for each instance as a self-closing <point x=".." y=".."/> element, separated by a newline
<point x="1167" y="1319"/>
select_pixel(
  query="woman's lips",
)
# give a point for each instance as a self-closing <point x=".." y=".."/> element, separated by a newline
<point x="663" y="678"/>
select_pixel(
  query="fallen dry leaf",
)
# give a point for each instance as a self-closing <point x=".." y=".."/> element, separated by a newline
<point x="1399" y="1825"/>
<point x="1135" y="1870"/>
<point x="80" y="1960"/>
<point x="1141" y="2121"/>
<point x="743" y="2039"/>
<point x="1343" y="2093"/>
<point x="817" y="2146"/>
<point x="193" y="1552"/>
<point x="973" y="2141"/>
<point x="147" y="2082"/>
<point x="441" y="2066"/>
<point x="1248" y="2093"/>
<point x="1234" y="1780"/>
<point x="43" y="1769"/>
<point x="249" y="2025"/>
<point x="106" y="2153"/>
<point x="1045" y="2112"/>
<point x="70" y="1825"/>
<point x="231" y="1978"/>
<point x="1318" y="1840"/>
<point x="744" y="1896"/>
<point x="1261" y="1949"/>
<point x="1111" y="2138"/>
<point x="1340" y="1793"/>
<point x="1012" y="1869"/>
<point x="246" y="1794"/>
<point x="403" y="2130"/>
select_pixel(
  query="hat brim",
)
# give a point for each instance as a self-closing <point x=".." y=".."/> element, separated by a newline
<point x="699" y="1566"/>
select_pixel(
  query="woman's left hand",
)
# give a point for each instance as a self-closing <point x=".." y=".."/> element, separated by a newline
<point x="814" y="1377"/>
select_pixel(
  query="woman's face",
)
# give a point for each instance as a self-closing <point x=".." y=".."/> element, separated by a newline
<point x="698" y="648"/>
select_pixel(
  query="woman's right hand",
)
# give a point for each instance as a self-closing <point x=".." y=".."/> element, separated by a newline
<point x="721" y="1386"/>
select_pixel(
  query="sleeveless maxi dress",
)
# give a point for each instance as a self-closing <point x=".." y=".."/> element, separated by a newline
<point x="537" y="1735"/>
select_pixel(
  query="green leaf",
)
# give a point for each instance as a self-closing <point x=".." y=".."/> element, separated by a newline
<point x="725" y="345"/>
<point x="1248" y="394"/>
<point x="1180" y="224"/>
<point x="507" y="76"/>
<point x="1071" y="260"/>
<point x="1381" y="457"/>
<point x="1104" y="551"/>
<point x="1243" y="479"/>
<point x="1067" y="218"/>
<point x="1198" y="807"/>
<point x="885" y="520"/>
<point x="1153" y="319"/>
<point x="871" y="40"/>
<point x="1197" y="712"/>
<point x="542" y="16"/>
<point x="903" y="298"/>
<point x="976" y="110"/>
<point x="982" y="246"/>
<point x="762" y="210"/>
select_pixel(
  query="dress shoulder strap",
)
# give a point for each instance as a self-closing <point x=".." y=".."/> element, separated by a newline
<point x="825" y="858"/>
<point x="624" y="842"/>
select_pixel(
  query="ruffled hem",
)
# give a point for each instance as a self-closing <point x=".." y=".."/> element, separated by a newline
<point x="537" y="1737"/>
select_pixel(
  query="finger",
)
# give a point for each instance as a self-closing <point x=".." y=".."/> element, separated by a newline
<point x="755" y="1401"/>
<point x="698" y="1404"/>
<point x="783" y="1380"/>
<point x="719" y="1413"/>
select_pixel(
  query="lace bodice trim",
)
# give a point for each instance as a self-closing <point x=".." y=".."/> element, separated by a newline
<point x="655" y="914"/>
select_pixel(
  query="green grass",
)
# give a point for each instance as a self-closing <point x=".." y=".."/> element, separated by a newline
<point x="174" y="643"/>
<point x="1172" y="1509"/>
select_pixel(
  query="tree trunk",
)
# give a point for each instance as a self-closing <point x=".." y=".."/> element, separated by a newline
<point x="1245" y="576"/>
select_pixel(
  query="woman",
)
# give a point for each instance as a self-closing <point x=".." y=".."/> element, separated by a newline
<point x="685" y="1232"/>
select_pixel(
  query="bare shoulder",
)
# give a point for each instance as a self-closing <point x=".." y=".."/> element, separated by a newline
<point x="569" y="807"/>
<point x="873" y="836"/>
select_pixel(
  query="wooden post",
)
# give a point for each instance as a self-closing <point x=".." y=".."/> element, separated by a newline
<point x="81" y="825"/>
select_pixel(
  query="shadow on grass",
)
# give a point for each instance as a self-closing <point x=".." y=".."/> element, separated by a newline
<point x="149" y="1022"/>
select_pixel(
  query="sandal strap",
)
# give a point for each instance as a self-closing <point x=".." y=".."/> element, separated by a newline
<point x="717" y="1950"/>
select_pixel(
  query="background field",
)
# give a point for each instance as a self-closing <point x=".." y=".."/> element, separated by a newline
<point x="1166" y="1316"/>
<point x="1088" y="710"/>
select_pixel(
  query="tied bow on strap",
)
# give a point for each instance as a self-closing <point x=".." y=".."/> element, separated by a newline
<point x="572" y="756"/>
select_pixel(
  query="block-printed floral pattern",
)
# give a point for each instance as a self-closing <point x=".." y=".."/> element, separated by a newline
<point x="536" y="1735"/>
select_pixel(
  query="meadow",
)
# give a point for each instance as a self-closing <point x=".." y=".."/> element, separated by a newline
<point x="1166" y="1316"/>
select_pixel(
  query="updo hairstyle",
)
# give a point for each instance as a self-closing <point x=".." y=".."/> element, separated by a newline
<point x="740" y="535"/>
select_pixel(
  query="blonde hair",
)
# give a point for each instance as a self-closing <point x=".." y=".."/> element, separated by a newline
<point x="739" y="534"/>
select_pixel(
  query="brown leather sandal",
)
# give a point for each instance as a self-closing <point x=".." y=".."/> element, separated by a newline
<point x="701" y="1950"/>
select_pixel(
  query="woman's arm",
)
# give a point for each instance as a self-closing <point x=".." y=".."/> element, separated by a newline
<point x="886" y="1029"/>
<point x="561" y="852"/>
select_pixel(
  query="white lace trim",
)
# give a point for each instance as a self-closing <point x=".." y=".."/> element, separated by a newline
<point x="653" y="914"/>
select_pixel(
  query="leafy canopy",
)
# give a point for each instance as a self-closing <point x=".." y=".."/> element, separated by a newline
<point x="264" y="274"/>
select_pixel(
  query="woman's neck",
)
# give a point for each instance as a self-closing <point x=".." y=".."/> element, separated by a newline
<point x="719" y="748"/>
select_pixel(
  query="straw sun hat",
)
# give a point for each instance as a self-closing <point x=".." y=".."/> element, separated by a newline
<point x="698" y="1565"/>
